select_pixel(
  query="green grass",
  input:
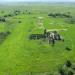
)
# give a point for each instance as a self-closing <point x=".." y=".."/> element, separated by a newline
<point x="18" y="54"/>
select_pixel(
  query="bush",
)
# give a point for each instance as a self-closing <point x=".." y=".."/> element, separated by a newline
<point x="68" y="49"/>
<point x="70" y="73"/>
<point x="5" y="16"/>
<point x="61" y="71"/>
<point x="2" y="19"/>
<point x="68" y="63"/>
<point x="70" y="20"/>
<point x="3" y="36"/>
<point x="60" y="15"/>
<point x="19" y="21"/>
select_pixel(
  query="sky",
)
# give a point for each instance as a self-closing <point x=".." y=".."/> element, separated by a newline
<point x="38" y="0"/>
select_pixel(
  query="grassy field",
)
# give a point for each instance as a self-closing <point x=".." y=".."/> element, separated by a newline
<point x="19" y="55"/>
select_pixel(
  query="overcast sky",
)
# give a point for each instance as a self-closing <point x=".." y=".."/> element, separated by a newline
<point x="38" y="0"/>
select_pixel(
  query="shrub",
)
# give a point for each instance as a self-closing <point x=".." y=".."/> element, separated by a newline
<point x="2" y="19"/>
<point x="19" y="21"/>
<point x="68" y="63"/>
<point x="70" y="73"/>
<point x="60" y="15"/>
<point x="3" y="36"/>
<point x="61" y="71"/>
<point x="68" y="49"/>
<point x="70" y="20"/>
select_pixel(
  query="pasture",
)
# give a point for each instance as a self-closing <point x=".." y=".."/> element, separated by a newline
<point x="21" y="56"/>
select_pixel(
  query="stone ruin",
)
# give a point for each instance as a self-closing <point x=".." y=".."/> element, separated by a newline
<point x="52" y="36"/>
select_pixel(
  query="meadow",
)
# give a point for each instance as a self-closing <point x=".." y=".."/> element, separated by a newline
<point x="21" y="56"/>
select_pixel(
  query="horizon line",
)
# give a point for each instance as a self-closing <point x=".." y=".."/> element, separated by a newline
<point x="35" y="1"/>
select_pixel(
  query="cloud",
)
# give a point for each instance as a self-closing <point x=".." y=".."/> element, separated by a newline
<point x="38" y="0"/>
